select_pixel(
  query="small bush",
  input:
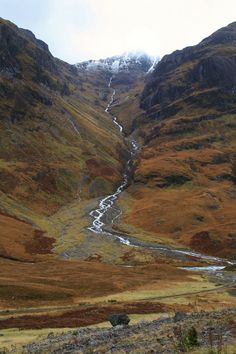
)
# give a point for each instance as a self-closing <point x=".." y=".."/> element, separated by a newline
<point x="186" y="340"/>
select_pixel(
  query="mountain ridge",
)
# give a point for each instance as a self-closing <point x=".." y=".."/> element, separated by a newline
<point x="213" y="53"/>
<point x="118" y="63"/>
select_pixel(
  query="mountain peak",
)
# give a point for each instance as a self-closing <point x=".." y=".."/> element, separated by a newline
<point x="126" y="62"/>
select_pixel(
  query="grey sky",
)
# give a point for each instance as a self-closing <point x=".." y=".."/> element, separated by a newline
<point x="77" y="30"/>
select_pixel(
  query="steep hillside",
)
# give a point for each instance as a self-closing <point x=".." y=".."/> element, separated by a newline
<point x="55" y="141"/>
<point x="60" y="150"/>
<point x="187" y="73"/>
<point x="184" y="185"/>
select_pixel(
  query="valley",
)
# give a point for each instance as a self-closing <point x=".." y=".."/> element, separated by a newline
<point x="117" y="184"/>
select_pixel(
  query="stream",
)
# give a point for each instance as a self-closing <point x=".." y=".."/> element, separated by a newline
<point x="100" y="225"/>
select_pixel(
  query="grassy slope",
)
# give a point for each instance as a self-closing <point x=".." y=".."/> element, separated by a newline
<point x="184" y="184"/>
<point x="44" y="161"/>
<point x="58" y="146"/>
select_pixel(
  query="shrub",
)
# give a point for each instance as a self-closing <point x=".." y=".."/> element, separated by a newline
<point x="186" y="340"/>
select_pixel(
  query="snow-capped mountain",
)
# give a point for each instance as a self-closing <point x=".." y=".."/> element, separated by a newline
<point x="123" y="63"/>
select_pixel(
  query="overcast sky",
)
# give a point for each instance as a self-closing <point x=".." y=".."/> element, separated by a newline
<point x="77" y="30"/>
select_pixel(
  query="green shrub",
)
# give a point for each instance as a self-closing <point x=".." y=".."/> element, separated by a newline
<point x="186" y="340"/>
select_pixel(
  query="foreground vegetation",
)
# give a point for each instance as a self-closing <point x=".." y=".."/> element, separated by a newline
<point x="200" y="332"/>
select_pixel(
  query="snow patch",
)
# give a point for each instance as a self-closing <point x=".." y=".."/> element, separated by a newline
<point x="116" y="64"/>
<point x="152" y="68"/>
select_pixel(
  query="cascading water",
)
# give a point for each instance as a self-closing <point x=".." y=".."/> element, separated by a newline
<point x="106" y="203"/>
<point x="99" y="215"/>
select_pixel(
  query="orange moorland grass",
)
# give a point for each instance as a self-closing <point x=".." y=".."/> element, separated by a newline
<point x="40" y="290"/>
<point x="31" y="274"/>
<point x="20" y="241"/>
<point x="203" y="204"/>
<point x="178" y="214"/>
<point x="55" y="281"/>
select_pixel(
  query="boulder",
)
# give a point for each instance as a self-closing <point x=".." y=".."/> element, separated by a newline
<point x="119" y="319"/>
<point x="179" y="316"/>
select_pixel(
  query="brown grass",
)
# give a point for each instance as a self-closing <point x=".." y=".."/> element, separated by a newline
<point x="86" y="315"/>
<point x="19" y="240"/>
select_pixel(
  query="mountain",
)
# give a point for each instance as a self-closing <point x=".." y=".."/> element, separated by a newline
<point x="184" y="183"/>
<point x="126" y="74"/>
<point x="128" y="62"/>
<point x="60" y="150"/>
<point x="60" y="153"/>
<point x="48" y="122"/>
<point x="145" y="149"/>
<point x="210" y="65"/>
